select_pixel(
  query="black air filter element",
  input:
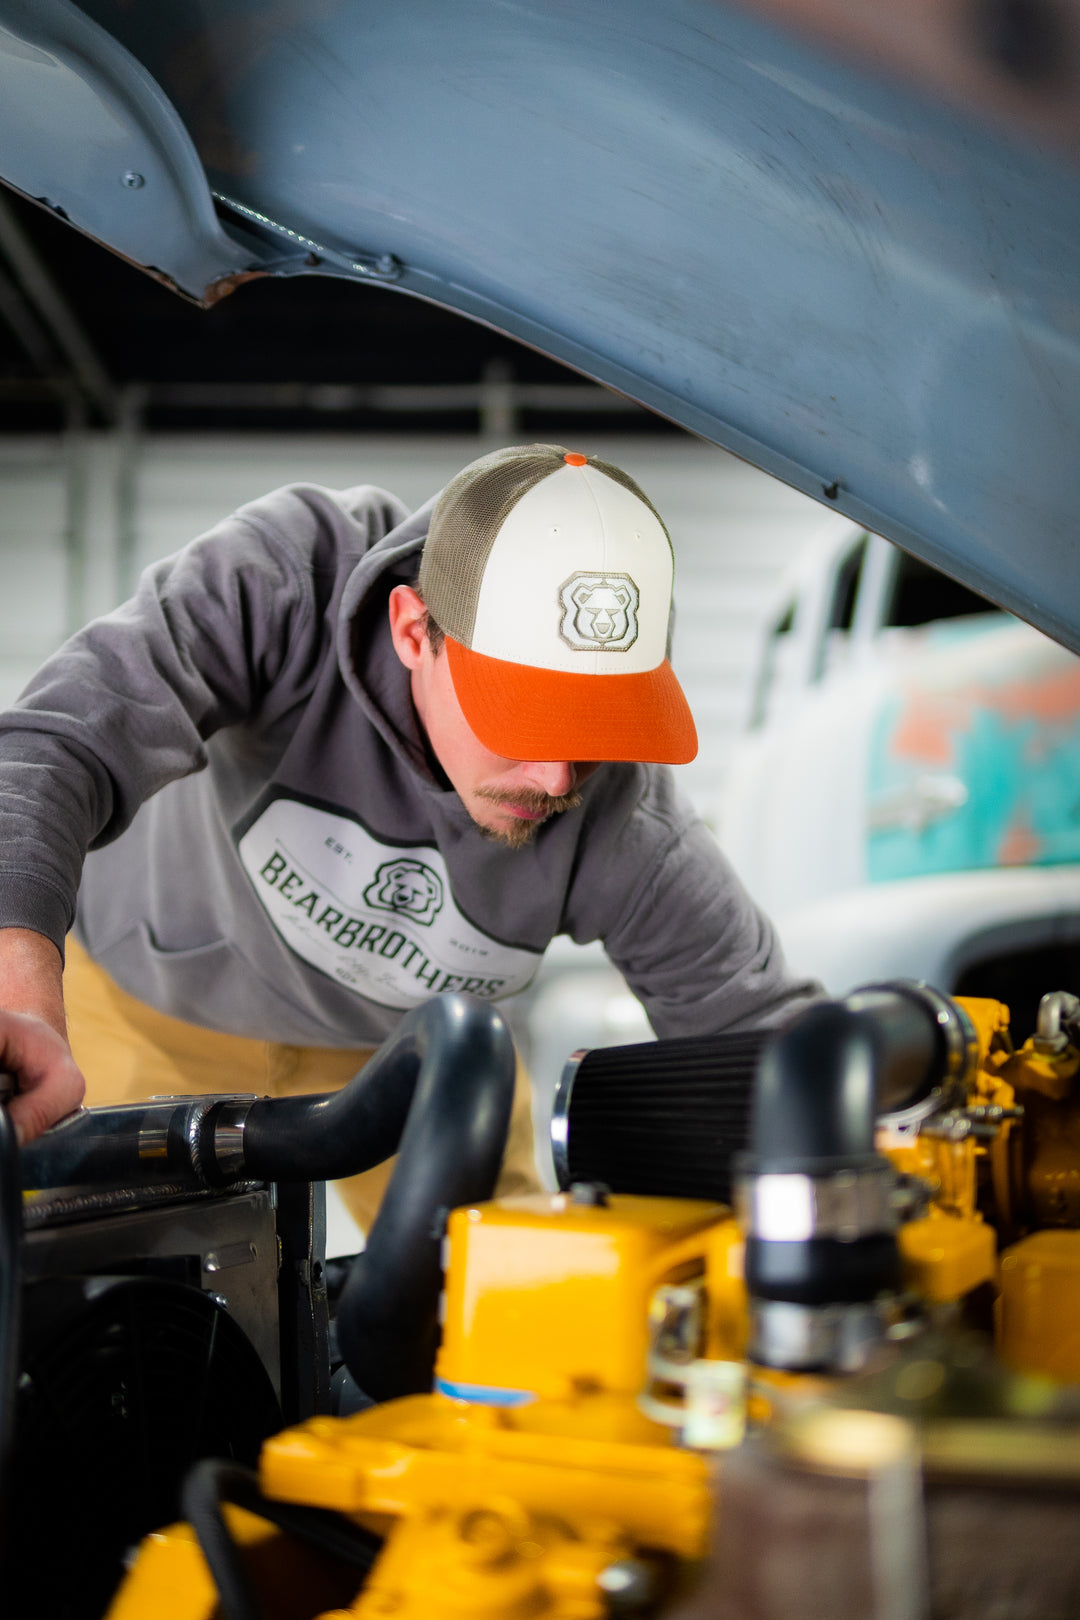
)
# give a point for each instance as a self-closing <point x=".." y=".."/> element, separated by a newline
<point x="664" y="1117"/>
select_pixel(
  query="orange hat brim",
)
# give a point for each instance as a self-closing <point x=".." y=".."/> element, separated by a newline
<point x="522" y="712"/>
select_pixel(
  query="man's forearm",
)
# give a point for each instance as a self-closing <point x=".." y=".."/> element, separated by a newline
<point x="31" y="977"/>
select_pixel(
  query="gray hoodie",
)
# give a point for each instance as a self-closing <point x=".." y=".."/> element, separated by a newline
<point x="273" y="853"/>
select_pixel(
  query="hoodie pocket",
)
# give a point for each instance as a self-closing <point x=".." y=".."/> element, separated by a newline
<point x="184" y="983"/>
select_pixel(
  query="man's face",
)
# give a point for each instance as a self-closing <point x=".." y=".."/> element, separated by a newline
<point x="507" y="798"/>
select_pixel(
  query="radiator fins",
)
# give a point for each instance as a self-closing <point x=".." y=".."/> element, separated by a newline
<point x="663" y="1118"/>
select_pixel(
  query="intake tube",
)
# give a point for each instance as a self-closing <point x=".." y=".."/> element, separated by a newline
<point x="818" y="1205"/>
<point x="186" y="1144"/>
<point x="164" y="1145"/>
<point x="455" y="1059"/>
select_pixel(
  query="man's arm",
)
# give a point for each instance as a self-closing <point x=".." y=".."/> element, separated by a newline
<point x="229" y="628"/>
<point x="677" y="922"/>
<point x="33" y="1034"/>
<point x="697" y="951"/>
<point x="124" y="707"/>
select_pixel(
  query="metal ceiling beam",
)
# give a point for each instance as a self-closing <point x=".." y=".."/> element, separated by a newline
<point x="24" y="324"/>
<point x="60" y="320"/>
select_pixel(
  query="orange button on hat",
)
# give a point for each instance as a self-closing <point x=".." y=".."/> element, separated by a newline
<point x="574" y="460"/>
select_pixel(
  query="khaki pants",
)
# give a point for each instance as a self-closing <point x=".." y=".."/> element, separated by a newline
<point x="127" y="1051"/>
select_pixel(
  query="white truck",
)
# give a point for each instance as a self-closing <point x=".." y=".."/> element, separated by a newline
<point x="906" y="799"/>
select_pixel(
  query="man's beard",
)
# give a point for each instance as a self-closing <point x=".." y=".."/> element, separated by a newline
<point x="518" y="832"/>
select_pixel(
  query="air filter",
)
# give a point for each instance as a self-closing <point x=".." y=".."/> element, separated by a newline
<point x="663" y="1117"/>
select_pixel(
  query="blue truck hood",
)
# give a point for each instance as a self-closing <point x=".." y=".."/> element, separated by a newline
<point x="866" y="292"/>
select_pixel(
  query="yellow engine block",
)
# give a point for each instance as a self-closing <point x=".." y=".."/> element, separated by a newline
<point x="531" y="1470"/>
<point x="591" y="1371"/>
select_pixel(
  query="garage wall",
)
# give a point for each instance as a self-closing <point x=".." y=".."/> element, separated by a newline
<point x="80" y="515"/>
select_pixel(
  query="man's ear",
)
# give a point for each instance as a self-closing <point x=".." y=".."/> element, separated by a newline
<point x="408" y="625"/>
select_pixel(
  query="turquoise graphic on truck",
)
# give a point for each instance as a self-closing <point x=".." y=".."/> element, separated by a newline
<point x="975" y="762"/>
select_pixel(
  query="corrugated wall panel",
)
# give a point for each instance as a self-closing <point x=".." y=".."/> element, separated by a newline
<point x="33" y="581"/>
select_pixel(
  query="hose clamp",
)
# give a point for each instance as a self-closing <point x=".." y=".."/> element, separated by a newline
<point x="961" y="1054"/>
<point x="791" y="1207"/>
<point x="227" y="1137"/>
<point x="818" y="1338"/>
<point x="560" y="1118"/>
<point x="959" y="1033"/>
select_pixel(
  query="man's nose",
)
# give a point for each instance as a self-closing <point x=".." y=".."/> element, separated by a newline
<point x="554" y="776"/>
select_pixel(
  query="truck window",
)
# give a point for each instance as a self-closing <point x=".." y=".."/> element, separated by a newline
<point x="845" y="592"/>
<point x="771" y="664"/>
<point x="846" y="588"/>
<point x="922" y="594"/>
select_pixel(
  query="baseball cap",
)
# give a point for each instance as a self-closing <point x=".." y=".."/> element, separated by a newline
<point x="550" y="573"/>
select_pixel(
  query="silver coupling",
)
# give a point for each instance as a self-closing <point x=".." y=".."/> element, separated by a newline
<point x="792" y="1207"/>
<point x="228" y="1137"/>
<point x="560" y="1117"/>
<point x="961" y="1042"/>
<point x="807" y="1338"/>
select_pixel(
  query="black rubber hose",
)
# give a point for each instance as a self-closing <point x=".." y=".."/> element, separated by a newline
<point x="453" y="1061"/>
<point x="10" y="1306"/>
<point x="201" y="1502"/>
<point x="822" y="1083"/>
<point x="453" y="1053"/>
<point x="212" y="1483"/>
<point x="831" y="1071"/>
<point x="313" y="1138"/>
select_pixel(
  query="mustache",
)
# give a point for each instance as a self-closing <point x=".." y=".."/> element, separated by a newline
<point x="545" y="804"/>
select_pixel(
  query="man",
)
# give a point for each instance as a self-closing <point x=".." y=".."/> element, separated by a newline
<point x="333" y="759"/>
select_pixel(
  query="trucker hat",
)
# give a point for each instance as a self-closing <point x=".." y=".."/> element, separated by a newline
<point x="550" y="573"/>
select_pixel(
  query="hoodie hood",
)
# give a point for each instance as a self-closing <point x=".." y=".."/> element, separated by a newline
<point x="370" y="668"/>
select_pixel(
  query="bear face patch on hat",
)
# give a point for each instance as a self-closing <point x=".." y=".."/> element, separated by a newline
<point x="551" y="574"/>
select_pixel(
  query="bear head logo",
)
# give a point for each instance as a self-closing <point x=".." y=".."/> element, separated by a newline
<point x="599" y="612"/>
<point x="408" y="888"/>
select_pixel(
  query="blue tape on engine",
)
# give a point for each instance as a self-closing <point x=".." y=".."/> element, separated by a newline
<point x="484" y="1394"/>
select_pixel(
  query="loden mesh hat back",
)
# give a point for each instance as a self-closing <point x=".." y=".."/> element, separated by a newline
<point x="551" y="574"/>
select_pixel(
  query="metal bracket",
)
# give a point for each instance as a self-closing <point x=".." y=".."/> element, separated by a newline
<point x="367" y="266"/>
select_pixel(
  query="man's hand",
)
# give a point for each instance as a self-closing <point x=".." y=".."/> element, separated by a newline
<point x="33" y="1034"/>
<point x="50" y="1085"/>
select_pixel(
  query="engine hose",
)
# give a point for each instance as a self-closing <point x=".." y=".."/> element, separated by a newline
<point x="212" y="1483"/>
<point x="10" y="1305"/>
<point x="453" y="1054"/>
<point x="453" y="1059"/>
<point x="818" y="1204"/>
<point x="192" y="1143"/>
<point x="833" y="1069"/>
<point x="820" y="1081"/>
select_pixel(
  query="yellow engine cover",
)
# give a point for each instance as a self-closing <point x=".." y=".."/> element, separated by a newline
<point x="548" y="1299"/>
<point x="1039" y="1305"/>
